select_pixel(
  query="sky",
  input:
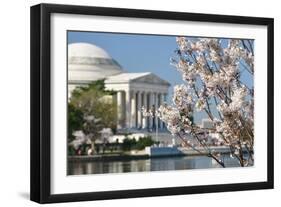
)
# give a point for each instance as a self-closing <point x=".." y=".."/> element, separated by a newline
<point x="141" y="53"/>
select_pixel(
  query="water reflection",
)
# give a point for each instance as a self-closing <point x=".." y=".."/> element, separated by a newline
<point x="153" y="164"/>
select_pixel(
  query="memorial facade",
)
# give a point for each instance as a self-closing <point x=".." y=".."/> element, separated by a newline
<point x="88" y="63"/>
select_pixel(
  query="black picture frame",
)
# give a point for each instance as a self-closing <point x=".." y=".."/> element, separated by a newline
<point x="41" y="96"/>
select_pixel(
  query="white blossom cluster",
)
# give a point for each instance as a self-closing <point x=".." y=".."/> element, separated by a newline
<point x="182" y="99"/>
<point x="147" y="113"/>
<point x="171" y="116"/>
<point x="80" y="139"/>
<point x="238" y="100"/>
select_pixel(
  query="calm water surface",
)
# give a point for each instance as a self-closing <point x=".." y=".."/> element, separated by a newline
<point x="153" y="164"/>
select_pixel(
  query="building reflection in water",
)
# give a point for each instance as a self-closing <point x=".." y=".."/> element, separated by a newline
<point x="143" y="165"/>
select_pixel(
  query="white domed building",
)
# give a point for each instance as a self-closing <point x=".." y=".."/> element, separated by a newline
<point x="88" y="63"/>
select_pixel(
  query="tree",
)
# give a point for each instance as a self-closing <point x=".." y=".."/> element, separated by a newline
<point x="144" y="142"/>
<point x="98" y="108"/>
<point x="212" y="71"/>
<point x="75" y="120"/>
<point x="128" y="144"/>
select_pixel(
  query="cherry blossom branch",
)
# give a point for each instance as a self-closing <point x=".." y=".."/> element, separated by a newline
<point x="189" y="145"/>
<point x="209" y="151"/>
<point x="209" y="154"/>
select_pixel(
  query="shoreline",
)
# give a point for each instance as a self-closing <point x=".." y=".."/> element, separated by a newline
<point x="127" y="157"/>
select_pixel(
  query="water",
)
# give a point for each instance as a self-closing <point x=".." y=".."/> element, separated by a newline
<point x="153" y="164"/>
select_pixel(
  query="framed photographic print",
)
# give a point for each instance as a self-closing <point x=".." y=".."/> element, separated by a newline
<point x="132" y="103"/>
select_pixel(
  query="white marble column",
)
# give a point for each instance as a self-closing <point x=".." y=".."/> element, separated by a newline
<point x="144" y="119"/>
<point x="128" y="108"/>
<point x="133" y="110"/>
<point x="139" y="113"/>
<point x="120" y="111"/>
<point x="161" y="102"/>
